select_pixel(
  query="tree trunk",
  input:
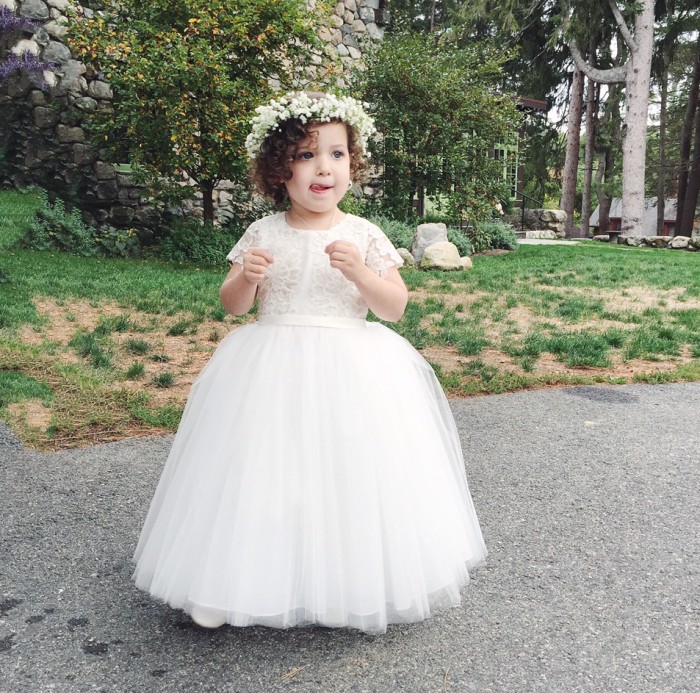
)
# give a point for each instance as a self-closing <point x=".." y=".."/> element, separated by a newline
<point x="635" y="74"/>
<point x="573" y="137"/>
<point x="661" y="180"/>
<point x="693" y="189"/>
<point x="605" y="175"/>
<point x="686" y="141"/>
<point x="634" y="145"/>
<point x="208" y="201"/>
<point x="591" y="117"/>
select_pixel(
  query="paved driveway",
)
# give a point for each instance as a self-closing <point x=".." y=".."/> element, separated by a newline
<point x="588" y="499"/>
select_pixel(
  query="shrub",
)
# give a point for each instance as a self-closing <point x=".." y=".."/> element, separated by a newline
<point x="461" y="240"/>
<point x="118" y="242"/>
<point x="193" y="242"/>
<point x="485" y="235"/>
<point x="54" y="228"/>
<point x="399" y="233"/>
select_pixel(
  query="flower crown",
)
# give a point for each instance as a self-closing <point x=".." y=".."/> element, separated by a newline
<point x="305" y="108"/>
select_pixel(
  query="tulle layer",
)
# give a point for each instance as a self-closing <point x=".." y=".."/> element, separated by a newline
<point x="316" y="478"/>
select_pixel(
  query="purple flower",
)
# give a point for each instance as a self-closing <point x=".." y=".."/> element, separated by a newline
<point x="24" y="62"/>
<point x="9" y="21"/>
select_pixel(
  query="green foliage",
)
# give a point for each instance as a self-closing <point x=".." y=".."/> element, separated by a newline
<point x="438" y="109"/>
<point x="16" y="386"/>
<point x="191" y="241"/>
<point x="461" y="240"/>
<point x="400" y="233"/>
<point x="163" y="380"/>
<point x="485" y="235"/>
<point x="187" y="77"/>
<point x="117" y="242"/>
<point x="54" y="228"/>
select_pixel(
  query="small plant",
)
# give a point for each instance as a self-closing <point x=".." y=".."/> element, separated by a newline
<point x="163" y="380"/>
<point x="54" y="228"/>
<point x="135" y="371"/>
<point x="400" y="233"/>
<point x="113" y="242"/>
<point x="191" y="241"/>
<point x="137" y="346"/>
<point x="214" y="336"/>
<point x="90" y="345"/>
<point x="115" y="323"/>
<point x="180" y="328"/>
<point x="160" y="358"/>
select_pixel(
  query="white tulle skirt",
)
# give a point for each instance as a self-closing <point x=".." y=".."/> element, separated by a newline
<point x="316" y="478"/>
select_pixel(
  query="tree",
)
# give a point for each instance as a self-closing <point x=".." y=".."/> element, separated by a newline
<point x="187" y="76"/>
<point x="573" y="136"/>
<point x="440" y="119"/>
<point x="635" y="74"/>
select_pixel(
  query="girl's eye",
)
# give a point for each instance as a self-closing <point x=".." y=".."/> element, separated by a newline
<point x="305" y="156"/>
<point x="338" y="154"/>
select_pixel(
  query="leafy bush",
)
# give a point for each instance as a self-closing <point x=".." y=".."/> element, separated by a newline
<point x="193" y="242"/>
<point x="118" y="242"/>
<point x="54" y="228"/>
<point x="485" y="235"/>
<point x="502" y="235"/>
<point x="399" y="233"/>
<point x="461" y="240"/>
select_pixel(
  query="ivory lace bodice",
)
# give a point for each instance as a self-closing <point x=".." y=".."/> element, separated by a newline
<point x="300" y="280"/>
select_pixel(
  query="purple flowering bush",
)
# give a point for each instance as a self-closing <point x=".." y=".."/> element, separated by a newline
<point x="25" y="62"/>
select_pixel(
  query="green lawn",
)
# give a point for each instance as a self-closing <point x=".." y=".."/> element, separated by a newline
<point x="544" y="315"/>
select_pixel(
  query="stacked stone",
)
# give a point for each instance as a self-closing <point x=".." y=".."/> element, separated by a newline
<point x="353" y="22"/>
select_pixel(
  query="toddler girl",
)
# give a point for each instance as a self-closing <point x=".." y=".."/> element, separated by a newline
<point x="317" y="475"/>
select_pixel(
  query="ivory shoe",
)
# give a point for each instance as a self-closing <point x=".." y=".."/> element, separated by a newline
<point x="207" y="618"/>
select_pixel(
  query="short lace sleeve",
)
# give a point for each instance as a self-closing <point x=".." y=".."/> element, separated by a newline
<point x="381" y="254"/>
<point x="246" y="242"/>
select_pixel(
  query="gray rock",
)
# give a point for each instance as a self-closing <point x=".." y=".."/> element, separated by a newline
<point x="58" y="4"/>
<point x="633" y="241"/>
<point x="107" y="190"/>
<point x="342" y="50"/>
<point x="541" y="234"/>
<point x="69" y="135"/>
<point x="86" y="104"/>
<point x="442" y="255"/>
<point x="350" y="5"/>
<point x="121" y="215"/>
<point x="358" y="26"/>
<point x="558" y="216"/>
<point x="45" y="117"/>
<point x="374" y="4"/>
<point x="57" y="52"/>
<point x="603" y="237"/>
<point x="42" y="37"/>
<point x="57" y="28"/>
<point x="679" y="242"/>
<point x="34" y="9"/>
<point x="84" y="154"/>
<point x="100" y="90"/>
<point x="366" y="15"/>
<point x="656" y="241"/>
<point x="104" y="171"/>
<point x="37" y="98"/>
<point x="408" y="259"/>
<point x="466" y="262"/>
<point x="427" y="234"/>
<point x="355" y="54"/>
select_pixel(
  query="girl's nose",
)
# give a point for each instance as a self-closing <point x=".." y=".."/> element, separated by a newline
<point x="323" y="163"/>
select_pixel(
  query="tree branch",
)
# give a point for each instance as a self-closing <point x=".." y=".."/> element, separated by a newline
<point x="613" y="75"/>
<point x="622" y="26"/>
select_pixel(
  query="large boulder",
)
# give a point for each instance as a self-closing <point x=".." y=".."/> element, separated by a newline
<point x="427" y="234"/>
<point x="442" y="255"/>
<point x="542" y="234"/>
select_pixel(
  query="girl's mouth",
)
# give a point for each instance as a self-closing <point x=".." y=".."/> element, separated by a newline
<point x="320" y="188"/>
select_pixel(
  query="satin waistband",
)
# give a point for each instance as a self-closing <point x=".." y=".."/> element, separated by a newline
<point x="312" y="321"/>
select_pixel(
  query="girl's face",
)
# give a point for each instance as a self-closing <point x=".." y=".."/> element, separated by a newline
<point x="320" y="171"/>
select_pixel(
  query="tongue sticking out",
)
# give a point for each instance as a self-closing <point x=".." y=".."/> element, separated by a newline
<point x="320" y="188"/>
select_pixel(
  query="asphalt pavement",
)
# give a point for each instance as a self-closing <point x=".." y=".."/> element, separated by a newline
<point x="588" y="499"/>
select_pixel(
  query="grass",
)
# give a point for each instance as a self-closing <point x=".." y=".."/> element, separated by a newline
<point x="543" y="316"/>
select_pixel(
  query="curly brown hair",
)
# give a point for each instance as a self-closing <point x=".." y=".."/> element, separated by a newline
<point x="272" y="166"/>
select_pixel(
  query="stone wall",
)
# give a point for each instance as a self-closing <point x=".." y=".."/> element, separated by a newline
<point x="41" y="130"/>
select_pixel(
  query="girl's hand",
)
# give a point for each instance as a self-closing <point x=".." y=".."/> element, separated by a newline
<point x="255" y="263"/>
<point x="346" y="257"/>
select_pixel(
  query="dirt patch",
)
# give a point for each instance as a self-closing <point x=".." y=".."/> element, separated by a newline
<point x="32" y="413"/>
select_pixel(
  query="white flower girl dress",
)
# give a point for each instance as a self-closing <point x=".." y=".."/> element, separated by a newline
<point x="317" y="475"/>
